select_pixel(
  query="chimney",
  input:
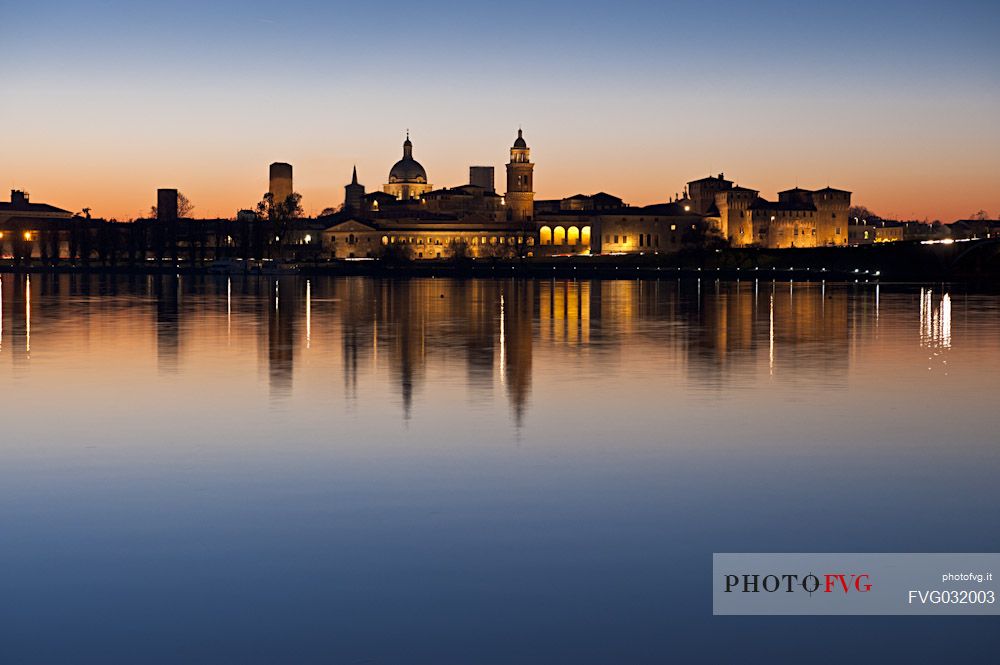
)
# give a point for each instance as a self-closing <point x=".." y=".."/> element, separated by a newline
<point x="19" y="198"/>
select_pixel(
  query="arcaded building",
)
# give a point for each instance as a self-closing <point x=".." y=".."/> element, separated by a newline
<point x="582" y="226"/>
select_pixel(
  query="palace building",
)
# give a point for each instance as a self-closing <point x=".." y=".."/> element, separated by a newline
<point x="799" y="218"/>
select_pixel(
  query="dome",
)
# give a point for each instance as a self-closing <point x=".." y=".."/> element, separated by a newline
<point x="519" y="142"/>
<point x="407" y="170"/>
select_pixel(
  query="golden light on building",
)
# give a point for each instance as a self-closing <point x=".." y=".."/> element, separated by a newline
<point x="27" y="235"/>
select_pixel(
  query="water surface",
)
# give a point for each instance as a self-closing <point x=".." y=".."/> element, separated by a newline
<point x="207" y="470"/>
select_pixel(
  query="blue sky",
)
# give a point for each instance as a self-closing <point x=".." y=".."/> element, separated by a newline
<point x="888" y="99"/>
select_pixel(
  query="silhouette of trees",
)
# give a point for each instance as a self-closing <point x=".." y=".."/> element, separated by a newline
<point x="701" y="236"/>
<point x="184" y="207"/>
<point x="981" y="216"/>
<point x="461" y="254"/>
<point x="278" y="216"/>
<point x="395" y="253"/>
<point x="862" y="212"/>
<point x="499" y="251"/>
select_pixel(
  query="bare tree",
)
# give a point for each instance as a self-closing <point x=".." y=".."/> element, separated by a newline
<point x="184" y="208"/>
<point x="862" y="212"/>
<point x="184" y="205"/>
<point x="981" y="216"/>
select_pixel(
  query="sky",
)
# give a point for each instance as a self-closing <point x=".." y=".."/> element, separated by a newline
<point x="101" y="103"/>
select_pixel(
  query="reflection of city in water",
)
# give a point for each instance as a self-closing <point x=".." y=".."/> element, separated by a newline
<point x="712" y="332"/>
<point x="331" y="448"/>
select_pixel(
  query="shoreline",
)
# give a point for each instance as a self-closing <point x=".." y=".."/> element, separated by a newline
<point x="973" y="261"/>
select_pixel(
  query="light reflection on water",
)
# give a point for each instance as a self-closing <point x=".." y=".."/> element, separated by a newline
<point x="212" y="469"/>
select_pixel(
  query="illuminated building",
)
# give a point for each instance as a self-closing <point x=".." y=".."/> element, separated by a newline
<point x="21" y="222"/>
<point x="588" y="227"/>
<point x="799" y="218"/>
<point x="520" y="181"/>
<point x="407" y="177"/>
<point x="410" y="219"/>
<point x="867" y="232"/>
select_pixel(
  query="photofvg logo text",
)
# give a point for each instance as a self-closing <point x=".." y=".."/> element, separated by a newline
<point x="854" y="583"/>
<point x="792" y="583"/>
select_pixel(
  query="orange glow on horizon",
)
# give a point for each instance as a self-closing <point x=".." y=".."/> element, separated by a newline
<point x="221" y="185"/>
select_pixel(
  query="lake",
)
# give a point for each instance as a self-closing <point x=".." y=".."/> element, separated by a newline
<point x="357" y="470"/>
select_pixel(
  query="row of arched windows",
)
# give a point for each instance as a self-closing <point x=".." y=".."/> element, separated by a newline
<point x="473" y="240"/>
<point x="563" y="236"/>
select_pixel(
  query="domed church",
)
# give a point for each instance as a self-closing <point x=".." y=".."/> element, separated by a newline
<point x="407" y="178"/>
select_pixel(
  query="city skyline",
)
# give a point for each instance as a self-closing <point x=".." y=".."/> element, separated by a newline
<point x="895" y="102"/>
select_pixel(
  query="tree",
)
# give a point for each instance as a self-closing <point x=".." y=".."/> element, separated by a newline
<point x="278" y="216"/>
<point x="498" y="251"/>
<point x="329" y="211"/>
<point x="184" y="208"/>
<point x="701" y="236"/>
<point x="184" y="205"/>
<point x="862" y="212"/>
<point x="395" y="253"/>
<point x="981" y="216"/>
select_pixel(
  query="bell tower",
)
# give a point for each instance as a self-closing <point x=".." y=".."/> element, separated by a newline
<point x="520" y="196"/>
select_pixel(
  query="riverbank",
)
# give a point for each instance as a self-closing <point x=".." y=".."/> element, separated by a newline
<point x="975" y="260"/>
